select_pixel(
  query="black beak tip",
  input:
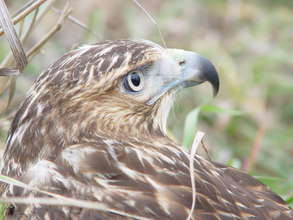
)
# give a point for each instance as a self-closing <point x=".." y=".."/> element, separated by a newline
<point x="210" y="74"/>
<point x="215" y="83"/>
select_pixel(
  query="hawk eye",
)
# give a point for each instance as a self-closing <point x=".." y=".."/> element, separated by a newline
<point x="134" y="81"/>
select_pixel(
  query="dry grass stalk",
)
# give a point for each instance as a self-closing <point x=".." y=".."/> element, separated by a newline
<point x="152" y="19"/>
<point x="35" y="49"/>
<point x="74" y="20"/>
<point x="12" y="37"/>
<point x="56" y="199"/>
<point x="197" y="140"/>
<point x="25" y="11"/>
<point x="6" y="69"/>
<point x="255" y="150"/>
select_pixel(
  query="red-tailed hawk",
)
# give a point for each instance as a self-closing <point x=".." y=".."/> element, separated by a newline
<point x="93" y="127"/>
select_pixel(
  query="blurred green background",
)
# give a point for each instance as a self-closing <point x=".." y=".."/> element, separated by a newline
<point x="249" y="124"/>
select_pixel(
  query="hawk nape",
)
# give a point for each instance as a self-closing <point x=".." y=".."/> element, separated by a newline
<point x="93" y="127"/>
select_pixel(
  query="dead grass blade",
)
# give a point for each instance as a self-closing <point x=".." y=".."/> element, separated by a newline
<point x="9" y="72"/>
<point x="6" y="82"/>
<point x="197" y="140"/>
<point x="35" y="21"/>
<point x="23" y="37"/>
<point x="14" y="41"/>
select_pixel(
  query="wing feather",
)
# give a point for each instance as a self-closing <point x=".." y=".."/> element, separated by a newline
<point x="132" y="183"/>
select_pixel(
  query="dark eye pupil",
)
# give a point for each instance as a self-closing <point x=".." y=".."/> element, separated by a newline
<point x="135" y="79"/>
<point x="133" y="82"/>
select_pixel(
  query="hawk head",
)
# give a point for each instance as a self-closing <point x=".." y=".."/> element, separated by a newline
<point x="119" y="89"/>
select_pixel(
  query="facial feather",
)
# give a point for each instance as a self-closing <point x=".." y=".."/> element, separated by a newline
<point x="78" y="96"/>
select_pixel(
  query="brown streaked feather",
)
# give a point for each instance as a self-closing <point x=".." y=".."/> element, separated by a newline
<point x="128" y="178"/>
<point x="76" y="135"/>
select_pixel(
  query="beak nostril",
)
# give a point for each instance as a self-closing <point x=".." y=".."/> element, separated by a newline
<point x="181" y="63"/>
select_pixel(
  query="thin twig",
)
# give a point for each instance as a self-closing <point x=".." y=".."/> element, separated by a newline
<point x="15" y="46"/>
<point x="21" y="27"/>
<point x="66" y="11"/>
<point x="206" y="150"/>
<point x="25" y="12"/>
<point x="8" y="60"/>
<point x="31" y="26"/>
<point x="24" y="7"/>
<point x="16" y="71"/>
<point x="11" y="92"/>
<point x="152" y="20"/>
<point x="248" y="164"/>
<point x="6" y="82"/>
<point x="75" y="20"/>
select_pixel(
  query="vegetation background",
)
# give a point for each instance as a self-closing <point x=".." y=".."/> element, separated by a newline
<point x="249" y="124"/>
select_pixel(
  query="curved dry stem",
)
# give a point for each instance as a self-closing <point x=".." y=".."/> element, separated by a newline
<point x="197" y="140"/>
<point x="152" y="19"/>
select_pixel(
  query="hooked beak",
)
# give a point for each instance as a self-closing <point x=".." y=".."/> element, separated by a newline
<point x="192" y="70"/>
<point x="195" y="69"/>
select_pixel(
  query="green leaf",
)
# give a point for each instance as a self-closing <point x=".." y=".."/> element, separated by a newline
<point x="234" y="162"/>
<point x="272" y="182"/>
<point x="190" y="127"/>
<point x="192" y="119"/>
<point x="290" y="200"/>
<point x="2" y="211"/>
<point x="216" y="109"/>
